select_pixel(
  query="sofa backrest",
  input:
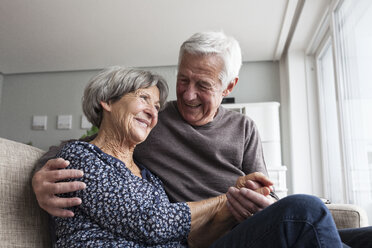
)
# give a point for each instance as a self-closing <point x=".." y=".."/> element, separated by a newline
<point x="22" y="222"/>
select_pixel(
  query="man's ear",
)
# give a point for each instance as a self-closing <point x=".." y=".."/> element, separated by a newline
<point x="106" y="106"/>
<point x="230" y="87"/>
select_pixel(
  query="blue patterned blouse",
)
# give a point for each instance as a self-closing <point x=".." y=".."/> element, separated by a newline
<point x="118" y="208"/>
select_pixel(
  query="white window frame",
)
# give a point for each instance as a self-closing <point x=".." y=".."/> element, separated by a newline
<point x="325" y="44"/>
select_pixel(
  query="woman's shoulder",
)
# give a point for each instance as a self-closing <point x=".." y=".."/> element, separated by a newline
<point x="78" y="151"/>
<point x="77" y="146"/>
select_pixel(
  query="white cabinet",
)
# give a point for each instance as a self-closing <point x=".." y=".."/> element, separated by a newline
<point x="266" y="117"/>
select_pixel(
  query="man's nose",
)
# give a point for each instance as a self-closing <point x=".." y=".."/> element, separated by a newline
<point x="190" y="92"/>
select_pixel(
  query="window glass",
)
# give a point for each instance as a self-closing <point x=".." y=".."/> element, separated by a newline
<point x="353" y="39"/>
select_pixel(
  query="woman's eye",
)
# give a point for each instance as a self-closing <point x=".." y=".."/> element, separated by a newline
<point x="144" y="97"/>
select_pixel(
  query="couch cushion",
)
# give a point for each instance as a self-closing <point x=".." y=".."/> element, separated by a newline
<point x="348" y="215"/>
<point x="22" y="222"/>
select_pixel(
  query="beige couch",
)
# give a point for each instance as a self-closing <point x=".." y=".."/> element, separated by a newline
<point x="24" y="224"/>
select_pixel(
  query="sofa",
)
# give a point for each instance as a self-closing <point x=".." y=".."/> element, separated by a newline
<point x="24" y="224"/>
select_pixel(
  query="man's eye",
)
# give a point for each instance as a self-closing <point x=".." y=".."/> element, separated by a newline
<point x="183" y="80"/>
<point x="204" y="86"/>
<point x="157" y="107"/>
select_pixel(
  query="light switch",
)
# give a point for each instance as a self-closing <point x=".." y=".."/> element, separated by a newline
<point x="64" y="122"/>
<point x="85" y="124"/>
<point x="39" y="122"/>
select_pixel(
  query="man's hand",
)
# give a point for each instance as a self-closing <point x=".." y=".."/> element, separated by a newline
<point x="250" y="195"/>
<point x="45" y="185"/>
<point x="258" y="178"/>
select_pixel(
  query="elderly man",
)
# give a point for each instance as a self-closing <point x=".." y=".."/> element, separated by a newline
<point x="199" y="150"/>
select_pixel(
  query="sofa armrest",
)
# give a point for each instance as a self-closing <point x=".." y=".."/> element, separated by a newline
<point x="348" y="215"/>
<point x="22" y="222"/>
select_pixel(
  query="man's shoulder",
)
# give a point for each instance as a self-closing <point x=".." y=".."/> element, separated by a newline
<point x="232" y="120"/>
<point x="234" y="115"/>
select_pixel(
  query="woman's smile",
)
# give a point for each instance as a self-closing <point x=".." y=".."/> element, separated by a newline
<point x="143" y="122"/>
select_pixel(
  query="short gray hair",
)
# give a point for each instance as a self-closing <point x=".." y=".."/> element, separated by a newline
<point x="227" y="48"/>
<point x="113" y="83"/>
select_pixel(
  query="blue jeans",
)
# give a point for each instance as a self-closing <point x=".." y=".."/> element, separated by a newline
<point x="294" y="221"/>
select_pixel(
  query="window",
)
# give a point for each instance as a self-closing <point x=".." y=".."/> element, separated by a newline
<point x="345" y="99"/>
<point x="334" y="177"/>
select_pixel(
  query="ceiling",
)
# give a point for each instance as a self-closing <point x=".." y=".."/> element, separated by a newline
<point x="54" y="35"/>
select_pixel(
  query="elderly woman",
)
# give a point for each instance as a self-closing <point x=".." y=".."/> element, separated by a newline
<point x="124" y="205"/>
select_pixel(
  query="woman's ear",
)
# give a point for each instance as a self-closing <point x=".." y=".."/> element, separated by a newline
<point x="106" y="106"/>
<point x="230" y="87"/>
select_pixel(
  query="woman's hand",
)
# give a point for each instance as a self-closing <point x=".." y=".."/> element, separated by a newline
<point x="210" y="219"/>
<point x="45" y="185"/>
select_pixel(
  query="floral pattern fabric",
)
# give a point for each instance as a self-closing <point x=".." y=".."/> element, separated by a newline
<point x="118" y="208"/>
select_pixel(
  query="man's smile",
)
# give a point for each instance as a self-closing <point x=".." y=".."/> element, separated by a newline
<point x="193" y="105"/>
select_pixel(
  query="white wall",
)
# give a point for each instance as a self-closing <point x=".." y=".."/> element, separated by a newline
<point x="1" y="86"/>
<point x="295" y="129"/>
<point x="52" y="94"/>
<point x="48" y="94"/>
<point x="258" y="82"/>
<point x="284" y="121"/>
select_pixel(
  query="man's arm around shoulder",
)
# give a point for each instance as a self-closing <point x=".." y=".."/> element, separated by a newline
<point x="46" y="183"/>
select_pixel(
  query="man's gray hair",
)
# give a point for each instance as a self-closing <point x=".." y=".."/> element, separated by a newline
<point x="113" y="83"/>
<point x="227" y="48"/>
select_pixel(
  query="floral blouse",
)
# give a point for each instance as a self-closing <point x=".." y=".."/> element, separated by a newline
<point x="118" y="208"/>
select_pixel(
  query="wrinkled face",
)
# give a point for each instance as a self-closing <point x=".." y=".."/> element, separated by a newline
<point x="199" y="90"/>
<point x="135" y="114"/>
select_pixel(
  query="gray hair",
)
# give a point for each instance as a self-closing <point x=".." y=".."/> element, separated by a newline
<point x="113" y="83"/>
<point x="227" y="48"/>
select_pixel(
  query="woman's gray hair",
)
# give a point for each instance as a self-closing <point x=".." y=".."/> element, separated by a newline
<point x="113" y="83"/>
<point x="227" y="48"/>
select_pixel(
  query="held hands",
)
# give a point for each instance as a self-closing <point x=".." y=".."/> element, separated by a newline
<point x="45" y="185"/>
<point x="250" y="195"/>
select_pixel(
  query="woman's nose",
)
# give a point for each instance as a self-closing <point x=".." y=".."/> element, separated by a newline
<point x="152" y="111"/>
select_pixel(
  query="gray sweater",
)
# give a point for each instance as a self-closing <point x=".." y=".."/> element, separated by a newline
<point x="198" y="162"/>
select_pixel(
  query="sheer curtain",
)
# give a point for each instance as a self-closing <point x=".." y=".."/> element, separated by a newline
<point x="353" y="87"/>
